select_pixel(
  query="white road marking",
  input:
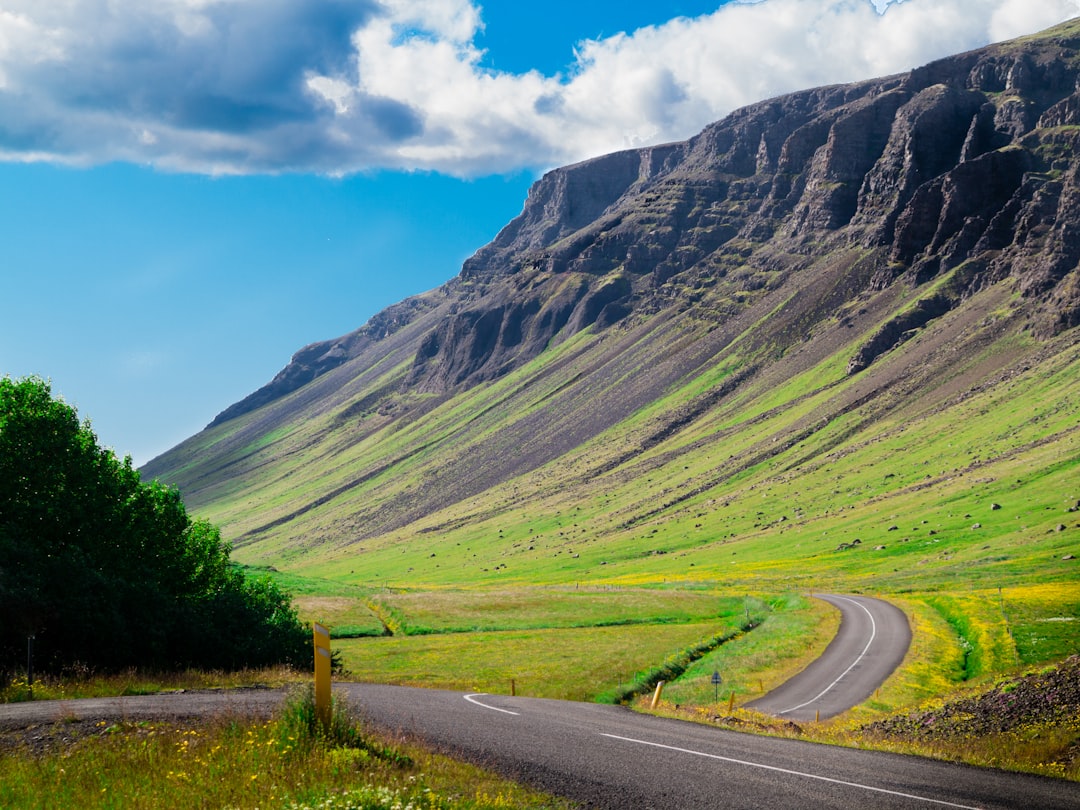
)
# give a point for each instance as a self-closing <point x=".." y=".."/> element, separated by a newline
<point x="485" y="706"/>
<point x="827" y="689"/>
<point x="791" y="772"/>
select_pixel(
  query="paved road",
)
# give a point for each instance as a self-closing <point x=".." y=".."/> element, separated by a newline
<point x="871" y="642"/>
<point x="610" y="757"/>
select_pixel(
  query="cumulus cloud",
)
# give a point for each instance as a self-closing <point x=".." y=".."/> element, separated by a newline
<point x="340" y="86"/>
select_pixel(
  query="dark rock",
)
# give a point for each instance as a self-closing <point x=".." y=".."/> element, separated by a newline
<point x="1051" y="697"/>
<point x="964" y="162"/>
<point x="898" y="330"/>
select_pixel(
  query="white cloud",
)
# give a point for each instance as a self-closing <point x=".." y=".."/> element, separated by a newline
<point x="339" y="86"/>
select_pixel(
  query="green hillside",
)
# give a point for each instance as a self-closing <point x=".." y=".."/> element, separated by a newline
<point x="831" y="343"/>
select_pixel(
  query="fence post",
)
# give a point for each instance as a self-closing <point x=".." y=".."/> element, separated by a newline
<point x="30" y="664"/>
<point x="322" y="674"/>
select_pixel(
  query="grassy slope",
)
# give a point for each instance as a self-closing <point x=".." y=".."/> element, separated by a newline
<point x="746" y="496"/>
<point x="752" y="493"/>
<point x="715" y="445"/>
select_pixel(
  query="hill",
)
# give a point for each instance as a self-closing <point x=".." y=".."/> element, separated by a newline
<point x="831" y="341"/>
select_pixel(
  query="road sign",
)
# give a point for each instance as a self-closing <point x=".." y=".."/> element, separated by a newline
<point x="716" y="681"/>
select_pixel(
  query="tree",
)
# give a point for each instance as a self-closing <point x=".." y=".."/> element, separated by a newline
<point x="108" y="571"/>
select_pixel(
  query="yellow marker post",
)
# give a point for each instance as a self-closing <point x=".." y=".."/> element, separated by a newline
<point x="656" y="694"/>
<point x="322" y="674"/>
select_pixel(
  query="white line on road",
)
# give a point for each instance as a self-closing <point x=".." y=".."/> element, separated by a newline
<point x="485" y="706"/>
<point x="790" y="772"/>
<point x="827" y="689"/>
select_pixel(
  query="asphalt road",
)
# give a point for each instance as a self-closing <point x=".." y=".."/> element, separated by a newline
<point x="871" y="642"/>
<point x="611" y="757"/>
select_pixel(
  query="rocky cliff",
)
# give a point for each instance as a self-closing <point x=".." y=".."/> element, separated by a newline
<point x="967" y="163"/>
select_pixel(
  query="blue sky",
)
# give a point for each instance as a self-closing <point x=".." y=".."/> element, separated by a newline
<point x="195" y="189"/>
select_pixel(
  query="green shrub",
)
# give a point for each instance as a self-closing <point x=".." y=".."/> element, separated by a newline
<point x="108" y="572"/>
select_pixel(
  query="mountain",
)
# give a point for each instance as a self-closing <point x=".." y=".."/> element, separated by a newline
<point x="860" y="297"/>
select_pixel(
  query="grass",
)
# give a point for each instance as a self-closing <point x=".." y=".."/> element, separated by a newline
<point x="287" y="762"/>
<point x="587" y="644"/>
<point x="545" y="608"/>
<point x="1026" y="722"/>
<point x="1042" y="620"/>
<point x="571" y="663"/>
<point x="976" y="723"/>
<point x="796" y="631"/>
<point x="635" y="636"/>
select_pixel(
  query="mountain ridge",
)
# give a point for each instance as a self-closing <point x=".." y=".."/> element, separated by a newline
<point x="572" y="199"/>
<point x="911" y="238"/>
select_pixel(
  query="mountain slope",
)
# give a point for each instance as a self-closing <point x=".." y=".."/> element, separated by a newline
<point x="887" y="269"/>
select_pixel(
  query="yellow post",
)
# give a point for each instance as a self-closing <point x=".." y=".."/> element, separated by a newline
<point x="656" y="694"/>
<point x="322" y="674"/>
<point x="731" y="701"/>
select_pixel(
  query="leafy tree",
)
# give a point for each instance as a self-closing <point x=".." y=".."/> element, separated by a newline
<point x="108" y="571"/>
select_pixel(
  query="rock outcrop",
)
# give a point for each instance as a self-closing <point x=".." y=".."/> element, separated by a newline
<point x="961" y="174"/>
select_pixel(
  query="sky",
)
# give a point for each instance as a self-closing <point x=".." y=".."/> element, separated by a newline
<point x="193" y="190"/>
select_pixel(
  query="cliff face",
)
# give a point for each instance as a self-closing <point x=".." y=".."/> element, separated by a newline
<point x="846" y="219"/>
<point x="968" y="162"/>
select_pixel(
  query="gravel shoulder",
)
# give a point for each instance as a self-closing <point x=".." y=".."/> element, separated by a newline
<point x="44" y="725"/>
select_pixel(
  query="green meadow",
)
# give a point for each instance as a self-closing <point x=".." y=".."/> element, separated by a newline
<point x="689" y="535"/>
<point x="956" y="499"/>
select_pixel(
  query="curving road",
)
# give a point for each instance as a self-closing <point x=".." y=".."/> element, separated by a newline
<point x="872" y="640"/>
<point x="611" y="757"/>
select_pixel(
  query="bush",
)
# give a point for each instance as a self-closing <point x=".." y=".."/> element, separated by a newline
<point x="108" y="572"/>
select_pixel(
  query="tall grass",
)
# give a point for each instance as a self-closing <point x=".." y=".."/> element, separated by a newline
<point x="676" y="664"/>
<point x="232" y="762"/>
<point x="795" y="631"/>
